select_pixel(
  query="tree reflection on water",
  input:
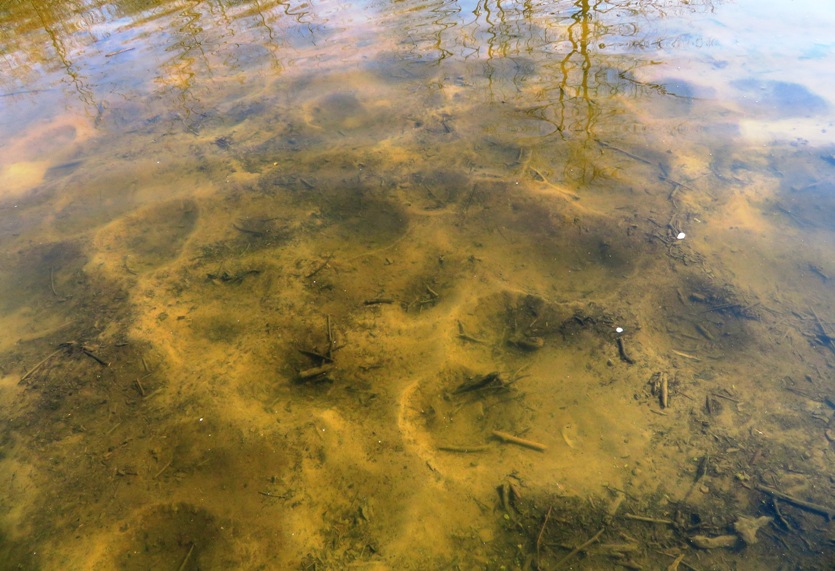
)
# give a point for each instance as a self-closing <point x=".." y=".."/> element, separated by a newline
<point x="570" y="47"/>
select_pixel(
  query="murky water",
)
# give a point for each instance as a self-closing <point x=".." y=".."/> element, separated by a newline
<point x="407" y="285"/>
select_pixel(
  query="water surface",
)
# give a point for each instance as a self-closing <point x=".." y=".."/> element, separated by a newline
<point x="417" y="285"/>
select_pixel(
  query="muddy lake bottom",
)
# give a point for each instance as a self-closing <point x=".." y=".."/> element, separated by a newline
<point x="345" y="369"/>
<point x="390" y="313"/>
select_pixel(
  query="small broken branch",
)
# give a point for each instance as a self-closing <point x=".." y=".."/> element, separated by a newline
<point x="94" y="357"/>
<point x="809" y="506"/>
<point x="331" y="341"/>
<point x="622" y="352"/>
<point x="379" y="301"/>
<point x="579" y="548"/>
<point x="313" y="372"/>
<point x="40" y="364"/>
<point x="635" y="517"/>
<point x="542" y="532"/>
<point x="463" y="449"/>
<point x="52" y="281"/>
<point x="510" y="439"/>
<point x="320" y="267"/>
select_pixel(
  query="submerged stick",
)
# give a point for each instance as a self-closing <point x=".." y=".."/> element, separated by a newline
<point x="646" y="519"/>
<point x="163" y="469"/>
<point x="579" y="548"/>
<point x="117" y="52"/>
<point x="40" y="364"/>
<point x="94" y="357"/>
<point x="127" y="268"/>
<point x="682" y="562"/>
<point x="702" y="330"/>
<point x="542" y="531"/>
<point x="726" y="397"/>
<point x="319" y="268"/>
<point x="256" y="233"/>
<point x="685" y="355"/>
<point x="188" y="556"/>
<point x="510" y="439"/>
<point x="825" y="337"/>
<point x="462" y="334"/>
<point x="379" y="301"/>
<point x="665" y="392"/>
<point x="315" y="355"/>
<point x="809" y="506"/>
<point x="624" y="152"/>
<point x="622" y="352"/>
<point x="113" y="428"/>
<point x="330" y="339"/>
<point x="464" y="449"/>
<point x="315" y="371"/>
<point x="470" y="338"/>
<point x="52" y="281"/>
<point x="674" y="565"/>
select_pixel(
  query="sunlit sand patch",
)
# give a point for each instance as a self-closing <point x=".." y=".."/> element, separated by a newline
<point x="21" y="324"/>
<point x="19" y="178"/>
<point x="740" y="213"/>
<point x="53" y="140"/>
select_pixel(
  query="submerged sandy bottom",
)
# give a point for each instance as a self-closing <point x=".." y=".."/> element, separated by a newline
<point x="164" y="310"/>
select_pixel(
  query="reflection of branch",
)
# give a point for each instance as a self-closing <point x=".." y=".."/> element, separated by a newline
<point x="442" y="27"/>
<point x="579" y="46"/>
<point x="181" y="70"/>
<point x="80" y="85"/>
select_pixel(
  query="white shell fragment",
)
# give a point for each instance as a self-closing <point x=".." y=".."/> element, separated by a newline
<point x="681" y="235"/>
<point x="619" y="329"/>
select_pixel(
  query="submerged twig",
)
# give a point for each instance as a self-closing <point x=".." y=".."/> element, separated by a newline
<point x="379" y="301"/>
<point x="510" y="439"/>
<point x="315" y="372"/>
<point x="542" y="531"/>
<point x="52" y="281"/>
<point x="117" y="52"/>
<point x="464" y="449"/>
<point x="579" y="548"/>
<point x="489" y="382"/>
<point x="622" y="352"/>
<point x="315" y="355"/>
<point x="320" y="267"/>
<point x="646" y="519"/>
<point x="462" y="334"/>
<point x="163" y="469"/>
<point x="188" y="556"/>
<point x="93" y="356"/>
<point x="32" y="371"/>
<point x="330" y="339"/>
<point x="829" y="513"/>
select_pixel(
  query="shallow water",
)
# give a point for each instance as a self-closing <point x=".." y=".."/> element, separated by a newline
<point x="406" y="285"/>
